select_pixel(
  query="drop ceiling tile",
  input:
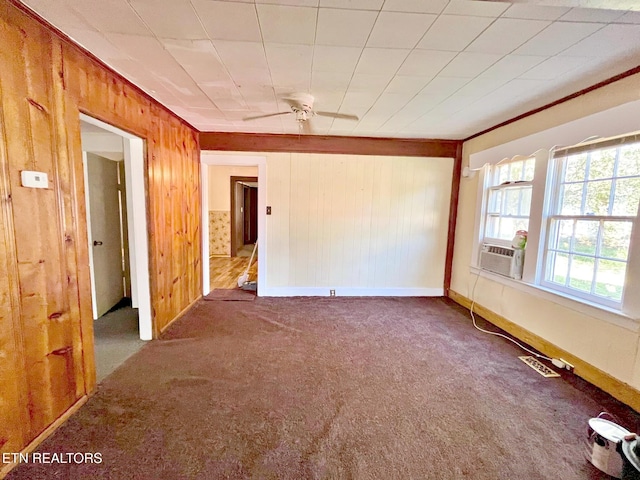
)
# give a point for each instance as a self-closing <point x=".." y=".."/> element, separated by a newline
<point x="148" y="51"/>
<point x="453" y="32"/>
<point x="285" y="24"/>
<point x="330" y="81"/>
<point x="199" y="59"/>
<point x="357" y="102"/>
<point x="112" y="16"/>
<point x="62" y="16"/>
<point x="290" y="65"/>
<point x="353" y="4"/>
<point x="535" y="12"/>
<point x="475" y="8"/>
<point x="512" y="66"/>
<point x="554" y="68"/>
<point x="440" y="88"/>
<point x="335" y="59"/>
<point x="469" y="64"/>
<point x="241" y="54"/>
<point x="399" y="30"/>
<point x="246" y="75"/>
<point x="506" y="34"/>
<point x="295" y="3"/>
<point x="425" y="62"/>
<point x="629" y="17"/>
<point x="557" y="37"/>
<point x="611" y="41"/>
<point x="381" y="60"/>
<point x="409" y="84"/>
<point x="96" y="43"/>
<point x="415" y="6"/>
<point x="591" y="15"/>
<point x="229" y="20"/>
<point x="347" y="28"/>
<point x="369" y="82"/>
<point x="176" y="19"/>
<point x="329" y="102"/>
<point x="289" y="57"/>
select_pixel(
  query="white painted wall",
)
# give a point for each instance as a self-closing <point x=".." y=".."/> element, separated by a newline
<point x="362" y="225"/>
<point x="586" y="333"/>
<point x="219" y="184"/>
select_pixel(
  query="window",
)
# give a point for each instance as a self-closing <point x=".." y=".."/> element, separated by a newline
<point x="508" y="200"/>
<point x="580" y="206"/>
<point x="594" y="204"/>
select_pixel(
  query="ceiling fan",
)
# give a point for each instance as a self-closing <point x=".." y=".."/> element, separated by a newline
<point x="302" y="107"/>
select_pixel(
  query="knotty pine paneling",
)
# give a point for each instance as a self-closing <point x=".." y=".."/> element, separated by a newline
<point x="46" y="333"/>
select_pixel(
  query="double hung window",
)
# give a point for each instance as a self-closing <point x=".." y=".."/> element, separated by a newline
<point x="592" y="210"/>
<point x="508" y="200"/>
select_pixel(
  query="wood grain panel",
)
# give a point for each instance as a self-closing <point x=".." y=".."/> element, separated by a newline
<point x="45" y="299"/>
<point x="261" y="142"/>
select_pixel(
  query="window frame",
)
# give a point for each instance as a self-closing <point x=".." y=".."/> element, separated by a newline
<point x="552" y="213"/>
<point x="542" y="198"/>
<point x="490" y="186"/>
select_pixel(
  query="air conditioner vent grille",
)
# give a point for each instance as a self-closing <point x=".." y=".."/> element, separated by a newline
<point x="507" y="252"/>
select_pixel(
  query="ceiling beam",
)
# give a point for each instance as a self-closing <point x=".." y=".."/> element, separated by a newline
<point x="261" y="142"/>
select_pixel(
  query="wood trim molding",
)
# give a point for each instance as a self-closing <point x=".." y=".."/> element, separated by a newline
<point x="579" y="93"/>
<point x="4" y="471"/>
<point x="453" y="217"/>
<point x="614" y="387"/>
<point x="261" y="142"/>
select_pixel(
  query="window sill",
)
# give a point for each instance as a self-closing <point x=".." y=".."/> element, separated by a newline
<point x="610" y="315"/>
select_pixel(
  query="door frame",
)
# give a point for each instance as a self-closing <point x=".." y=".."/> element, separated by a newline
<point x="137" y="227"/>
<point x="208" y="158"/>
<point x="232" y="191"/>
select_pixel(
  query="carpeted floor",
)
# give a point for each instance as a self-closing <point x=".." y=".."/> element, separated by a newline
<point x="330" y="388"/>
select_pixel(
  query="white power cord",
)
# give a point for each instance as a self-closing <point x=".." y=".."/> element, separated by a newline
<point x="560" y="363"/>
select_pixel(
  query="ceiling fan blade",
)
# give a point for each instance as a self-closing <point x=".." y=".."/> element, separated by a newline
<point x="256" y="117"/>
<point x="342" y="116"/>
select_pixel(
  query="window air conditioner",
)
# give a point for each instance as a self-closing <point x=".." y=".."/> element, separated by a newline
<point x="505" y="261"/>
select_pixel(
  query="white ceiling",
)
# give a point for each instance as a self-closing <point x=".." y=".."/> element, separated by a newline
<point x="407" y="68"/>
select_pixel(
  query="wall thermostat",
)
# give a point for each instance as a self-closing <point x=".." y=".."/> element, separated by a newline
<point x="34" y="179"/>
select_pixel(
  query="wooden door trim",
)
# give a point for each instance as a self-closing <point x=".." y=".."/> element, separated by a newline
<point x="232" y="191"/>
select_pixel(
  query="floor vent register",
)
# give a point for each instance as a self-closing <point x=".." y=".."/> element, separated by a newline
<point x="539" y="367"/>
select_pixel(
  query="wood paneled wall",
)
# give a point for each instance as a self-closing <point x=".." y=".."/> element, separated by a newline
<point x="46" y="334"/>
<point x="366" y="225"/>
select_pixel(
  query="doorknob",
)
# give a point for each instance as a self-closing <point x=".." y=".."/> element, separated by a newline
<point x="96" y="243"/>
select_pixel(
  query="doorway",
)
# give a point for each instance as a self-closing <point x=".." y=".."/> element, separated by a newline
<point x="225" y="253"/>
<point x="113" y="163"/>
<point x="244" y="215"/>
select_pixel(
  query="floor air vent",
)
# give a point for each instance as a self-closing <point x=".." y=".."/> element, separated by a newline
<point x="539" y="367"/>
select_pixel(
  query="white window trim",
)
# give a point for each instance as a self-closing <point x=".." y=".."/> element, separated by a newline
<point x="628" y="316"/>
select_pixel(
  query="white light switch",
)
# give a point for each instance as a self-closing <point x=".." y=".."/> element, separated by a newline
<point x="34" y="179"/>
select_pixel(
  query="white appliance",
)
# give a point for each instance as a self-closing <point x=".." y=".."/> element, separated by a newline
<point x="507" y="261"/>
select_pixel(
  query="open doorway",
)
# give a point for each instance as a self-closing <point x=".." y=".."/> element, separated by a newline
<point x="244" y="215"/>
<point x="234" y="220"/>
<point x="113" y="163"/>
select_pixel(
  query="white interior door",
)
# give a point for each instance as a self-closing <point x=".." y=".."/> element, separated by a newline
<point x="106" y="243"/>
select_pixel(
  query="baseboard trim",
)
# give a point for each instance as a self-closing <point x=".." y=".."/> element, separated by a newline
<point x="4" y="471"/>
<point x="614" y="387"/>
<point x="181" y="314"/>
<point x="350" y="292"/>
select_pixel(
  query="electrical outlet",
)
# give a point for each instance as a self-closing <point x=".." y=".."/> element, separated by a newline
<point x="332" y="293"/>
<point x="567" y="365"/>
